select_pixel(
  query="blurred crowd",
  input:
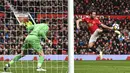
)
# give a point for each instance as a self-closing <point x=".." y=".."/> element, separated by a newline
<point x="36" y="6"/>
<point x="109" y="42"/>
<point x="107" y="7"/>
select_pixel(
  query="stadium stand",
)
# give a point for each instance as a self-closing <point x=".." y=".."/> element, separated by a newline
<point x="105" y="7"/>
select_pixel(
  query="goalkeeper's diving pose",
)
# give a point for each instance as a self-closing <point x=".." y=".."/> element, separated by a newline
<point x="33" y="41"/>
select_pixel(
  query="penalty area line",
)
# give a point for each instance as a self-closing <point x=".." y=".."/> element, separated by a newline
<point x="5" y="72"/>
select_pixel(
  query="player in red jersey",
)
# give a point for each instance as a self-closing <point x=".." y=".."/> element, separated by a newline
<point x="93" y="22"/>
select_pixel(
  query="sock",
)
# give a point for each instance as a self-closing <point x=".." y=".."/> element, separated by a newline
<point x="117" y="32"/>
<point x="89" y="49"/>
<point x="40" y="61"/>
<point x="16" y="58"/>
<point x="93" y="49"/>
<point x="100" y="55"/>
<point x="11" y="62"/>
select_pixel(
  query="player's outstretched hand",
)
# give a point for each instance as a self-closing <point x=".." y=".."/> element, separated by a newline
<point x="78" y="27"/>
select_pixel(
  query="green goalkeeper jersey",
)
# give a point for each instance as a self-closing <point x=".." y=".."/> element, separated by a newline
<point x="39" y="30"/>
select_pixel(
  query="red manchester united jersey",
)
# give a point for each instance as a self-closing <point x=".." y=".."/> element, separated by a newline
<point x="92" y="23"/>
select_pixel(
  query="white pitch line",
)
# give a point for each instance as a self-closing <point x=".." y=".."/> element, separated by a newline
<point x="5" y="72"/>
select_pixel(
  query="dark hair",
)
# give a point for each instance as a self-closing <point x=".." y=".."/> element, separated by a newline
<point x="92" y="12"/>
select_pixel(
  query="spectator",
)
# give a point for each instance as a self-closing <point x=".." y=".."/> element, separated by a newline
<point x="108" y="7"/>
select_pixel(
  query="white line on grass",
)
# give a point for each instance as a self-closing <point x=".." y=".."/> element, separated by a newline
<point x="5" y="72"/>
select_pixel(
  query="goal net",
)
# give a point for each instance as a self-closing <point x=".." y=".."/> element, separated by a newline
<point x="12" y="15"/>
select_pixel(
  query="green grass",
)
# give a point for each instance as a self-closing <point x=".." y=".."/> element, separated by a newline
<point x="61" y="67"/>
<point x="102" y="67"/>
<point x="30" y="67"/>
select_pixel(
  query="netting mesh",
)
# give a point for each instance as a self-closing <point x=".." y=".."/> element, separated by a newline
<point x="12" y="35"/>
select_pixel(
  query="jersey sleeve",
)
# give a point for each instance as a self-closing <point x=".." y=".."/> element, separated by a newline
<point x="85" y="18"/>
<point x="98" y="22"/>
<point x="29" y="28"/>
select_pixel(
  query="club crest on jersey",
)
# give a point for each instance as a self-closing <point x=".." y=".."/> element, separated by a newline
<point x="90" y="24"/>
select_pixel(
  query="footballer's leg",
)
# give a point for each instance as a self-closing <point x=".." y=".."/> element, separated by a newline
<point x="40" y="61"/>
<point x="90" y="46"/>
<point x="93" y="38"/>
<point x="41" y="57"/>
<point x="16" y="58"/>
<point x="91" y="43"/>
<point x="38" y="48"/>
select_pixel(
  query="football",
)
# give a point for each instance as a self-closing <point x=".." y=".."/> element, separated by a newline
<point x="115" y="26"/>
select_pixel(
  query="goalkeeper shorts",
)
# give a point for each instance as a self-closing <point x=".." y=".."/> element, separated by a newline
<point x="33" y="42"/>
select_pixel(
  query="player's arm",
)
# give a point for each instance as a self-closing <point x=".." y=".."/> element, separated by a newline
<point x="77" y="23"/>
<point x="106" y="27"/>
<point x="111" y="28"/>
<point x="102" y="25"/>
<point x="45" y="37"/>
<point x="47" y="40"/>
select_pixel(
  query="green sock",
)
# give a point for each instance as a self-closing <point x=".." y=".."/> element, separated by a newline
<point x="11" y="62"/>
<point x="40" y="61"/>
<point x="16" y="58"/>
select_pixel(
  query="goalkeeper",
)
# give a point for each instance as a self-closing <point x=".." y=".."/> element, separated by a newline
<point x="33" y="41"/>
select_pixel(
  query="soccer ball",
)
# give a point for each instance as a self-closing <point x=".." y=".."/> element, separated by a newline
<point x="115" y="26"/>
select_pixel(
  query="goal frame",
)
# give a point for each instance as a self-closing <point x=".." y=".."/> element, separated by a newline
<point x="18" y="14"/>
<point x="71" y="36"/>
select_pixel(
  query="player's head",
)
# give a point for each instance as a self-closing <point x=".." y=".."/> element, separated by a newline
<point x="93" y="14"/>
<point x="26" y="20"/>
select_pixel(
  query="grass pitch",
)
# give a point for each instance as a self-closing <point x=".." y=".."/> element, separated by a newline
<point x="30" y="67"/>
<point x="102" y="67"/>
<point x="62" y="67"/>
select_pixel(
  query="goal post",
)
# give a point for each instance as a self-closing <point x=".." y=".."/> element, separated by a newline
<point x="71" y="35"/>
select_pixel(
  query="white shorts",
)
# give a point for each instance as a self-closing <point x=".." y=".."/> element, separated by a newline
<point x="94" y="36"/>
